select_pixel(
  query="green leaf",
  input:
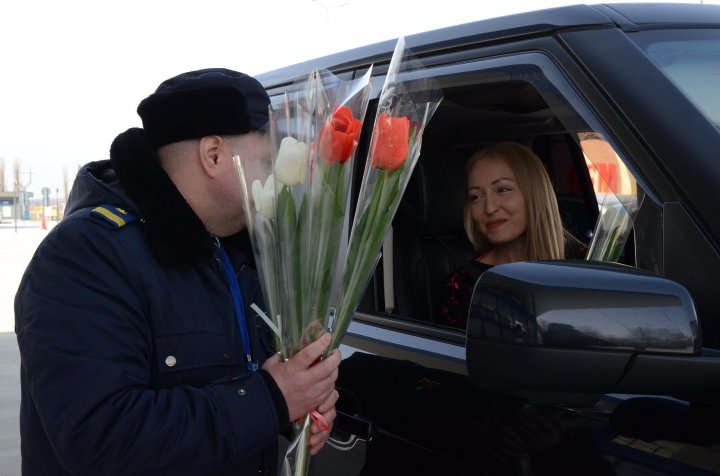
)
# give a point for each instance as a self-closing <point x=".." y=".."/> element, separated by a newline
<point x="362" y="257"/>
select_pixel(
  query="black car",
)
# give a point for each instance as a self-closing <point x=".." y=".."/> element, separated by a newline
<point x="621" y="349"/>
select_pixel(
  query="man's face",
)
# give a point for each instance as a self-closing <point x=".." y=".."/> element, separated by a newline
<point x="253" y="151"/>
<point x="254" y="159"/>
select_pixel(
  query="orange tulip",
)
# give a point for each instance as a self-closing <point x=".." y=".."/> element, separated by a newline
<point x="390" y="142"/>
<point x="339" y="136"/>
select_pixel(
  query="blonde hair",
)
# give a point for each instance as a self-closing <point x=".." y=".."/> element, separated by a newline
<point x="545" y="234"/>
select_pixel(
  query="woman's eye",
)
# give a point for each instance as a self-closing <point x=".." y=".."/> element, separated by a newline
<point x="474" y="197"/>
<point x="503" y="189"/>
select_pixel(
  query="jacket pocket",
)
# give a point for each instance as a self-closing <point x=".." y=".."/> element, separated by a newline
<point x="194" y="359"/>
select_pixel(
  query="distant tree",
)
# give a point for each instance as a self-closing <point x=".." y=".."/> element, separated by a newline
<point x="17" y="182"/>
<point x="67" y="181"/>
<point x="2" y="174"/>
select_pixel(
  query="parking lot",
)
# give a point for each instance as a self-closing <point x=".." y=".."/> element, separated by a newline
<point x="17" y="244"/>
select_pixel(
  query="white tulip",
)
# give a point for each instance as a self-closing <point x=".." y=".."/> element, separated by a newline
<point x="292" y="160"/>
<point x="264" y="197"/>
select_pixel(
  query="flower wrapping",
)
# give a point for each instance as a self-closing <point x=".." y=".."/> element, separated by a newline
<point x="404" y="109"/>
<point x="296" y="207"/>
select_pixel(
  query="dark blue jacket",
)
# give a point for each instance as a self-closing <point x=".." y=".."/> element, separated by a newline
<point x="131" y="363"/>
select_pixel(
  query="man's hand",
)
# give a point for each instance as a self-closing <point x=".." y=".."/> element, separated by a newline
<point x="305" y="386"/>
<point x="319" y="437"/>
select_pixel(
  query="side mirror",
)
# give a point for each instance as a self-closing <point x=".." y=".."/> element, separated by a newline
<point x="579" y="327"/>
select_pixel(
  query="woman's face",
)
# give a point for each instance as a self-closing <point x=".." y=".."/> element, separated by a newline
<point x="497" y="205"/>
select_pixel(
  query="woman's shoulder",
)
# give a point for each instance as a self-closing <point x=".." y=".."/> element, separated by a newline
<point x="475" y="267"/>
<point x="468" y="272"/>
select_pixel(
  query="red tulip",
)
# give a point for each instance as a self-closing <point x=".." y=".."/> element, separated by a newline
<point x="390" y="142"/>
<point x="339" y="136"/>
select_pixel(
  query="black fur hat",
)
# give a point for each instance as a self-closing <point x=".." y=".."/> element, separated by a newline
<point x="201" y="103"/>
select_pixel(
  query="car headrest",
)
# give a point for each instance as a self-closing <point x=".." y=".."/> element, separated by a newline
<point x="435" y="194"/>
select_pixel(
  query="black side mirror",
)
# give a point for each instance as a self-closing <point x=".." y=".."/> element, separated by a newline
<point x="573" y="326"/>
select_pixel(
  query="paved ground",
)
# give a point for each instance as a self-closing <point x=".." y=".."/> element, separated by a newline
<point x="17" y="244"/>
<point x="9" y="405"/>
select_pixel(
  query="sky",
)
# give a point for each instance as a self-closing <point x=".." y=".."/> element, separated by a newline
<point x="73" y="72"/>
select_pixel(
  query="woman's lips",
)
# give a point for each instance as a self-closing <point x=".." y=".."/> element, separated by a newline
<point x="494" y="224"/>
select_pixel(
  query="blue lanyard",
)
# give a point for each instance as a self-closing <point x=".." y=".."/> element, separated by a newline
<point x="238" y="304"/>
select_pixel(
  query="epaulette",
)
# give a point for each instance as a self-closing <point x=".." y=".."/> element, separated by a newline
<point x="115" y="215"/>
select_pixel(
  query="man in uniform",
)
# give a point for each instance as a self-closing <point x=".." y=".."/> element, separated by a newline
<point x="140" y="352"/>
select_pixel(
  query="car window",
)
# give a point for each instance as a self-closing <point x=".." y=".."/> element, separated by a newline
<point x="524" y="98"/>
<point x="617" y="195"/>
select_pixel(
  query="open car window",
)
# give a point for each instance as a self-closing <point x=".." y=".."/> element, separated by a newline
<point x="523" y="98"/>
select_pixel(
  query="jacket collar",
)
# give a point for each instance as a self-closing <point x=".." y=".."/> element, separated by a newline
<point x="172" y="229"/>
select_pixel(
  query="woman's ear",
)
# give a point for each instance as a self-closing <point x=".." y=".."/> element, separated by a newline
<point x="209" y="151"/>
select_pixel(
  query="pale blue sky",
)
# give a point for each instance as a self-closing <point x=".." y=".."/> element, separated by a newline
<point x="74" y="71"/>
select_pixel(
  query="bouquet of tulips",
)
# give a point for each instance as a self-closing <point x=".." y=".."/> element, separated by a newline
<point x="297" y="204"/>
<point x="296" y="208"/>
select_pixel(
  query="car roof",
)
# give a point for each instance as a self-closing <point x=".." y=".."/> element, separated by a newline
<point x="628" y="16"/>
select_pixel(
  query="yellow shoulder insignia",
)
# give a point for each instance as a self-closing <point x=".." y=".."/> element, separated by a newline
<point x="115" y="215"/>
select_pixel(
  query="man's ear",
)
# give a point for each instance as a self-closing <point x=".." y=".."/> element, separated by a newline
<point x="209" y="152"/>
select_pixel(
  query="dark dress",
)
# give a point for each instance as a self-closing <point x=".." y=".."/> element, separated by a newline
<point x="458" y="292"/>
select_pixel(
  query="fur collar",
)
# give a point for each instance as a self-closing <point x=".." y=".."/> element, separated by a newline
<point x="172" y="229"/>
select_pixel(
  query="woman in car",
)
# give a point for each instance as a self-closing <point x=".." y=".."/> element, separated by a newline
<point x="511" y="214"/>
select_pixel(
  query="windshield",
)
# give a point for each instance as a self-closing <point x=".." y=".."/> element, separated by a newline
<point x="691" y="59"/>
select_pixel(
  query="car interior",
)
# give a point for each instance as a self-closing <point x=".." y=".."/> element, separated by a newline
<point x="428" y="238"/>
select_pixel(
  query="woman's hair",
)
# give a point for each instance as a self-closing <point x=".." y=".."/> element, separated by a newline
<point x="545" y="234"/>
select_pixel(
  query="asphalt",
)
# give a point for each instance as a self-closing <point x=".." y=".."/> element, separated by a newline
<point x="18" y="241"/>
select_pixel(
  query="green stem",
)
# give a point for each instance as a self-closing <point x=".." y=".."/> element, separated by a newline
<point x="326" y="236"/>
<point x="365" y="247"/>
<point x="290" y="312"/>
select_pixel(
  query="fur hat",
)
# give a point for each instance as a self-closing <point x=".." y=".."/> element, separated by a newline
<point x="201" y="103"/>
